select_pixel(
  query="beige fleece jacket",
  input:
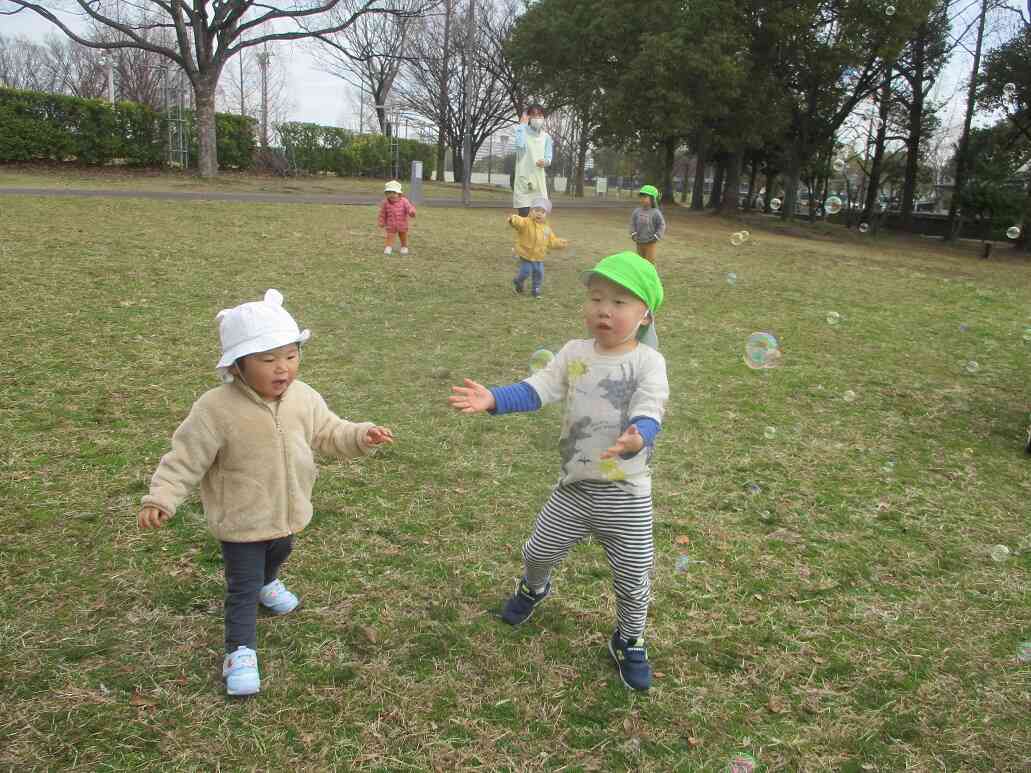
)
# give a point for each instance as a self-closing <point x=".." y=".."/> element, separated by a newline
<point x="252" y="459"/>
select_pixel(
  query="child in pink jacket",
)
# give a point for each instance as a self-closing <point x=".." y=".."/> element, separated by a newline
<point x="393" y="217"/>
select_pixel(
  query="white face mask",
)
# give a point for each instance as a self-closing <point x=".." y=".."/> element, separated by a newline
<point x="536" y="123"/>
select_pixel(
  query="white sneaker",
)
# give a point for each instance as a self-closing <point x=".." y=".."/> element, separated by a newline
<point x="240" y="670"/>
<point x="388" y="250"/>
<point x="277" y="599"/>
<point x="404" y="250"/>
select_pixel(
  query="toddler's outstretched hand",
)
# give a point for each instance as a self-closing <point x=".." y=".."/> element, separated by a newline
<point x="471" y="398"/>
<point x="630" y="442"/>
<point x="152" y="518"/>
<point x="563" y="243"/>
<point x="377" y="436"/>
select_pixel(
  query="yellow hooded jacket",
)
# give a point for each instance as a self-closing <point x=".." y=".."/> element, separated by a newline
<point x="533" y="239"/>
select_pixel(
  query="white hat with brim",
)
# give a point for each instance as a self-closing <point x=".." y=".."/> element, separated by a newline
<point x="255" y="327"/>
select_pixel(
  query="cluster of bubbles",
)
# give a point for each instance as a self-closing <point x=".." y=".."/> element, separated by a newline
<point x="762" y="350"/>
<point x="540" y="359"/>
<point x="832" y="205"/>
<point x="739" y="237"/>
<point x="1013" y="232"/>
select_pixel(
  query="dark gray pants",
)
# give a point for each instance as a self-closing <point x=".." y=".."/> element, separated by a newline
<point x="249" y="566"/>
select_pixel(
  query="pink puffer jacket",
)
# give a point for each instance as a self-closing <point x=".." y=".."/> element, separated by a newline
<point x="394" y="217"/>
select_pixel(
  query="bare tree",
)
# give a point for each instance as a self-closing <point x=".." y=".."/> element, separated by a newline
<point x="420" y="88"/>
<point x="24" y="64"/>
<point x="207" y="34"/>
<point x="240" y="90"/>
<point x="368" y="55"/>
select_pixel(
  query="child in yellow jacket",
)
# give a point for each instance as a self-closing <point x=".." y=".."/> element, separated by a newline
<point x="534" y="238"/>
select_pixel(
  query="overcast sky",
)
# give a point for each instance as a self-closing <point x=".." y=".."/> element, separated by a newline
<point x="321" y="98"/>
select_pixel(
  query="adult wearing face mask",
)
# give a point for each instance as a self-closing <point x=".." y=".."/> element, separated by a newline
<point x="533" y="156"/>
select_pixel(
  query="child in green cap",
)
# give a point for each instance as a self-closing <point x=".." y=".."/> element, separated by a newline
<point x="614" y="392"/>
<point x="647" y="225"/>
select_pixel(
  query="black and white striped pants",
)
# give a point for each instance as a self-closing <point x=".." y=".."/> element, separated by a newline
<point x="620" y="521"/>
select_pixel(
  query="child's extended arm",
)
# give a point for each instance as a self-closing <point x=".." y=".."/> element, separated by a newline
<point x="476" y="398"/>
<point x="518" y="222"/>
<point x="194" y="447"/>
<point x="409" y="207"/>
<point x="338" y="437"/>
<point x="554" y="243"/>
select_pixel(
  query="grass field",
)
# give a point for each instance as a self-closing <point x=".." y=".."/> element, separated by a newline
<point x="843" y="613"/>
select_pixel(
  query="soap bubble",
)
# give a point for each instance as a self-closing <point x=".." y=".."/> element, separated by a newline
<point x="682" y="565"/>
<point x="1013" y="232"/>
<point x="753" y="488"/>
<point x="540" y="359"/>
<point x="742" y="763"/>
<point x="864" y="227"/>
<point x="999" y="553"/>
<point x="849" y="396"/>
<point x="1027" y="335"/>
<point x="889" y="11"/>
<point x="963" y="327"/>
<point x="889" y="467"/>
<point x="762" y="351"/>
<point x="736" y="239"/>
<point x="731" y="278"/>
<point x="774" y="205"/>
<point x="972" y="367"/>
<point x="1024" y="652"/>
<point x="832" y="205"/>
<point x="745" y="235"/>
<point x="839" y="165"/>
<point x="770" y="433"/>
<point x="833" y="318"/>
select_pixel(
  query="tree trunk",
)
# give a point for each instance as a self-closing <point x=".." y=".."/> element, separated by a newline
<point x="732" y="185"/>
<point x="916" y="117"/>
<point x="953" y="227"/>
<point x="716" y="194"/>
<point x="768" y="196"/>
<point x="753" y="176"/>
<point x="207" y="146"/>
<point x="457" y="164"/>
<point x="791" y="175"/>
<point x="874" y="188"/>
<point x="698" y="189"/>
<point x="669" y="147"/>
<point x="581" y="160"/>
<point x="443" y="93"/>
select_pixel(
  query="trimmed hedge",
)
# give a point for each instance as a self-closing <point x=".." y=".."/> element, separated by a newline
<point x="315" y="149"/>
<point x="36" y="126"/>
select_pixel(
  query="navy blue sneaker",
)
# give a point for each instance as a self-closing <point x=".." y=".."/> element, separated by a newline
<point x="632" y="661"/>
<point x="522" y="603"/>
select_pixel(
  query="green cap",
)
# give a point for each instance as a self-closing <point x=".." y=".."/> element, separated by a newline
<point x="650" y="190"/>
<point x="630" y="270"/>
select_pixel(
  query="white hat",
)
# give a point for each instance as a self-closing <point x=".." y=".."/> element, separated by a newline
<point x="256" y="327"/>
<point x="541" y="202"/>
<point x="392" y="187"/>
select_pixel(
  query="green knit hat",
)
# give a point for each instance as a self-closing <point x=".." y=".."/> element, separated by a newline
<point x="650" y="190"/>
<point x="630" y="270"/>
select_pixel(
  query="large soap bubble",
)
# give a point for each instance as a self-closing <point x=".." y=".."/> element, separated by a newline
<point x="762" y="350"/>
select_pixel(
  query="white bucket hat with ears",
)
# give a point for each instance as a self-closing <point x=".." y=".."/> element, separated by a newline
<point x="392" y="187"/>
<point x="256" y="327"/>
<point x="541" y="202"/>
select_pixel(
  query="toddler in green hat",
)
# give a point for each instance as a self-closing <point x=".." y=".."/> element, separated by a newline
<point x="647" y="225"/>
<point x="614" y="392"/>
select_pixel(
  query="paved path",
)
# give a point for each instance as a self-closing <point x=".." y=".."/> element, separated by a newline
<point x="287" y="198"/>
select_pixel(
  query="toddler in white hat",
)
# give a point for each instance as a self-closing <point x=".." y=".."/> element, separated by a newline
<point x="393" y="217"/>
<point x="248" y="445"/>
